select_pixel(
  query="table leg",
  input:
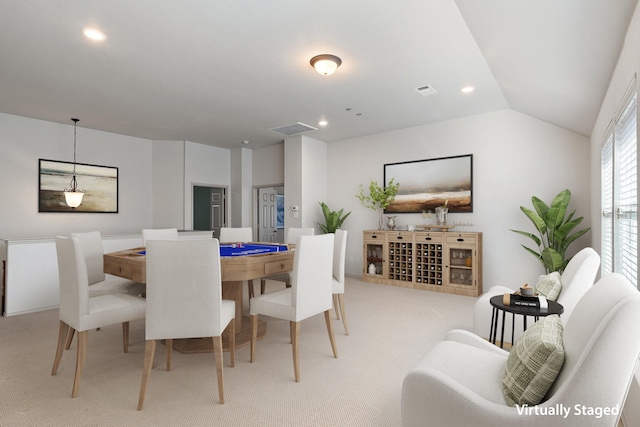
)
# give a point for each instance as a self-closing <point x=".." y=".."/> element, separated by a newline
<point x="513" y="327"/>
<point x="233" y="290"/>
<point x="525" y="322"/>
<point x="493" y="330"/>
<point x="502" y="335"/>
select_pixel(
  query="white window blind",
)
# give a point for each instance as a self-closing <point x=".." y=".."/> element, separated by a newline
<point x="619" y="168"/>
<point x="606" y="253"/>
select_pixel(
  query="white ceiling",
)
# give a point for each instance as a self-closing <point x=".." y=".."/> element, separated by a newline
<point x="220" y="72"/>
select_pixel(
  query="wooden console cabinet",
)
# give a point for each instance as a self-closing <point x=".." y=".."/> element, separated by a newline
<point x="440" y="261"/>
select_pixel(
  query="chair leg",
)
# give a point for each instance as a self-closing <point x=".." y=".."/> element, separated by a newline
<point x="254" y="335"/>
<point x="149" y="353"/>
<point x="336" y="306"/>
<point x="69" y="338"/>
<point x="168" y="343"/>
<point x="327" y="318"/>
<point x="63" y="334"/>
<point x="83" y="337"/>
<point x="342" y="310"/>
<point x="232" y="342"/>
<point x="217" y="350"/>
<point x="125" y="336"/>
<point x="295" y="335"/>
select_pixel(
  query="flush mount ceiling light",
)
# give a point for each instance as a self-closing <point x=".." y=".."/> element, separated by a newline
<point x="325" y="64"/>
<point x="94" y="34"/>
<point x="73" y="196"/>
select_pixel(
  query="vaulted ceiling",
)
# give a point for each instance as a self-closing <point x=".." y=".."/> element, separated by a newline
<point x="220" y="73"/>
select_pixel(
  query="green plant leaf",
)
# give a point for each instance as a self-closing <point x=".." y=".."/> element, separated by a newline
<point x="537" y="221"/>
<point x="332" y="220"/>
<point x="555" y="228"/>
<point x="529" y="235"/>
<point x="552" y="260"/>
<point x="540" y="207"/>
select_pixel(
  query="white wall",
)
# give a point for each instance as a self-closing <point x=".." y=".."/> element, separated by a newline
<point x="241" y="187"/>
<point x="305" y="179"/>
<point x="23" y="141"/>
<point x="168" y="184"/>
<point x="292" y="181"/>
<point x="204" y="165"/>
<point x="314" y="181"/>
<point x="268" y="166"/>
<point x="514" y="157"/>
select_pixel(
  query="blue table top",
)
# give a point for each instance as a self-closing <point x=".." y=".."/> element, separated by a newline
<point x="242" y="249"/>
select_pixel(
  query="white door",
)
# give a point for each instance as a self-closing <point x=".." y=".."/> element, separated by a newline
<point x="267" y="208"/>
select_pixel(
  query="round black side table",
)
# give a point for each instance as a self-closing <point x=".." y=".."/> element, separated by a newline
<point x="535" y="312"/>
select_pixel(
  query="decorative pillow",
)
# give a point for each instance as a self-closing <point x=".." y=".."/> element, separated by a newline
<point x="549" y="285"/>
<point x="534" y="362"/>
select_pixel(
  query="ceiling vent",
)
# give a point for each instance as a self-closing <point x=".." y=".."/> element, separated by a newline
<point x="293" y="129"/>
<point x="426" y="90"/>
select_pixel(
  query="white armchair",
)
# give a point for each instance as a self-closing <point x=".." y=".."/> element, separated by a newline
<point x="576" y="279"/>
<point x="459" y="382"/>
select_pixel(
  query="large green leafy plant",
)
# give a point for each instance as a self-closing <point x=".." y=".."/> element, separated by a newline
<point x="332" y="219"/>
<point x="554" y="229"/>
<point x="378" y="198"/>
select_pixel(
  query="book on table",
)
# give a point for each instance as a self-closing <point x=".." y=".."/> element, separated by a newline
<point x="525" y="301"/>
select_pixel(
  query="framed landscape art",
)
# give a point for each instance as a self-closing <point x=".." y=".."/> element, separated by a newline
<point x="427" y="184"/>
<point x="100" y="184"/>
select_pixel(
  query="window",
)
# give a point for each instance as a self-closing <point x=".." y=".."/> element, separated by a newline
<point x="619" y="170"/>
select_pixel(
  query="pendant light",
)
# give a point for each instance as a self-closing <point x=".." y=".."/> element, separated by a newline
<point x="73" y="196"/>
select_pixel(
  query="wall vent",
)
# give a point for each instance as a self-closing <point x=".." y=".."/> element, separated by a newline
<point x="293" y="129"/>
<point x="426" y="90"/>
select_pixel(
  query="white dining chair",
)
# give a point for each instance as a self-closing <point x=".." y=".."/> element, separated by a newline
<point x="339" y="255"/>
<point x="291" y="237"/>
<point x="81" y="312"/>
<point x="158" y="234"/>
<point x="99" y="282"/>
<point x="238" y="235"/>
<point x="184" y="300"/>
<point x="309" y="294"/>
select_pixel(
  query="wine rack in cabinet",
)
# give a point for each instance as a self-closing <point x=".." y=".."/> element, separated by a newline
<point x="436" y="261"/>
<point x="400" y="258"/>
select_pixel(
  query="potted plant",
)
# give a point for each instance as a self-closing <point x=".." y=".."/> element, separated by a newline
<point x="554" y="231"/>
<point x="378" y="198"/>
<point x="332" y="219"/>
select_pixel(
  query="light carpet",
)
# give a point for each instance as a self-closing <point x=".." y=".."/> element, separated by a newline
<point x="391" y="329"/>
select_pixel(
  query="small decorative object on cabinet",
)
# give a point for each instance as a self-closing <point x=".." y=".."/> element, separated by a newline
<point x="436" y="261"/>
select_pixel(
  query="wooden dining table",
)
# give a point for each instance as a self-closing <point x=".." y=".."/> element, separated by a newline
<point x="247" y="266"/>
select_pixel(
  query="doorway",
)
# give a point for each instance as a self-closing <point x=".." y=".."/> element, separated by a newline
<point x="270" y="214"/>
<point x="209" y="208"/>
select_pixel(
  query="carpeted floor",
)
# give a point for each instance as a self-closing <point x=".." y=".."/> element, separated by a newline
<point x="391" y="330"/>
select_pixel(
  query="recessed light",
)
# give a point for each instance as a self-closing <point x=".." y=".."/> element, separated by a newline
<point x="467" y="89"/>
<point x="94" y="34"/>
<point x="245" y="142"/>
<point x="323" y="123"/>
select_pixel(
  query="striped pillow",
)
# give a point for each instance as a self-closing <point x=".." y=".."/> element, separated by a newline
<point x="549" y="285"/>
<point x="534" y="362"/>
